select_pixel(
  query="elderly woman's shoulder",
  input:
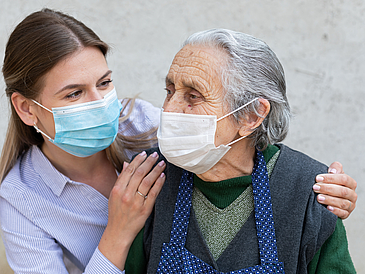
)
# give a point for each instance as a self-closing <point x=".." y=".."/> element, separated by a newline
<point x="298" y="161"/>
<point x="294" y="174"/>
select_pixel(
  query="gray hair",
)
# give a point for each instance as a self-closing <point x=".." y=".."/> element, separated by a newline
<point x="252" y="71"/>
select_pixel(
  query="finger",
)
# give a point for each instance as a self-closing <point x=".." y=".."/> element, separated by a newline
<point x="154" y="191"/>
<point x="336" y="168"/>
<point x="341" y="188"/>
<point x="334" y="202"/>
<point x="337" y="179"/>
<point x="335" y="191"/>
<point x="141" y="194"/>
<point x="129" y="169"/>
<point x="140" y="174"/>
<point x="343" y="214"/>
<point x="151" y="178"/>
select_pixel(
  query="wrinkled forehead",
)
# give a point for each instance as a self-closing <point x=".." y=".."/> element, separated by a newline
<point x="203" y="62"/>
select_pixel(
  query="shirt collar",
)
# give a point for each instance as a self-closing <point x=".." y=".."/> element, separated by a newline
<point x="54" y="179"/>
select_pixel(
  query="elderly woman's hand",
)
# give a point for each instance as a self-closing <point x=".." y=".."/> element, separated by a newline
<point x="337" y="191"/>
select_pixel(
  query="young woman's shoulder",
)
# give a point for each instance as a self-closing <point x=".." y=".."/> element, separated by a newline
<point x="32" y="179"/>
<point x="13" y="181"/>
<point x="13" y="190"/>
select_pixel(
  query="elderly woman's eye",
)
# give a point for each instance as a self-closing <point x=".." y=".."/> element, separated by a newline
<point x="169" y="92"/>
<point x="195" y="95"/>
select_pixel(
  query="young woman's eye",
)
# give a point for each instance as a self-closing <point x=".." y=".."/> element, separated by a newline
<point x="105" y="83"/>
<point x="74" y="94"/>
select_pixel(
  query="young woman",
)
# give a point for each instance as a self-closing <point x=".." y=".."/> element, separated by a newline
<point x="67" y="191"/>
<point x="61" y="193"/>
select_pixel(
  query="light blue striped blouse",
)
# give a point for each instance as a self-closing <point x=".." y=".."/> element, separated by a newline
<point x="46" y="217"/>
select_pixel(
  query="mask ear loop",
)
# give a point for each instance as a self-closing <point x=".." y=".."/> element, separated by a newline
<point x="34" y="101"/>
<point x="224" y="116"/>
<point x="241" y="107"/>
<point x="35" y="125"/>
<point x="40" y="131"/>
<point x="235" y="141"/>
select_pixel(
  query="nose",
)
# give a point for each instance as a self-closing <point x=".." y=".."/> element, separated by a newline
<point x="175" y="104"/>
<point x="94" y="95"/>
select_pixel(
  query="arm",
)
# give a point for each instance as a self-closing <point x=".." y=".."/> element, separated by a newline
<point x="337" y="191"/>
<point x="128" y="210"/>
<point x="333" y="256"/>
<point x="30" y="249"/>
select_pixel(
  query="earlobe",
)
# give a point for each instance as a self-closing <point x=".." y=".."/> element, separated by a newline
<point x="23" y="108"/>
<point x="253" y="120"/>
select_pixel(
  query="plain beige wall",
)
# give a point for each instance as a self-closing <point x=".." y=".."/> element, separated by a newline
<point x="320" y="44"/>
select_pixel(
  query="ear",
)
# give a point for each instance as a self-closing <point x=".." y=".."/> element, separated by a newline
<point x="253" y="120"/>
<point x="23" y="107"/>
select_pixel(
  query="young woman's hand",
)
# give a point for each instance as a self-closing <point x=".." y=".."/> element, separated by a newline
<point x="337" y="191"/>
<point x="130" y="203"/>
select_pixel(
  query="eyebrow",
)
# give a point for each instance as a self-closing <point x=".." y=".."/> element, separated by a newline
<point x="190" y="84"/>
<point x="72" y="86"/>
<point x="168" y="80"/>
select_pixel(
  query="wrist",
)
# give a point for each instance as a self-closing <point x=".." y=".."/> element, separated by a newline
<point x="115" y="249"/>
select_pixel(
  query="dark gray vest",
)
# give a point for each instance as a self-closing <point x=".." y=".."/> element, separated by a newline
<point x="302" y="225"/>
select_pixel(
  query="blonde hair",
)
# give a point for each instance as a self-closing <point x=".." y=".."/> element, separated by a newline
<point x="136" y="143"/>
<point x="36" y="45"/>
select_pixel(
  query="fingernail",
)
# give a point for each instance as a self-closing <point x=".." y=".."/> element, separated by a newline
<point x="162" y="175"/>
<point x="319" y="179"/>
<point x="125" y="164"/>
<point x="161" y="163"/>
<point x="154" y="155"/>
<point x="143" y="153"/>
<point x="321" y="198"/>
<point x="316" y="187"/>
<point x="333" y="171"/>
<point x="330" y="208"/>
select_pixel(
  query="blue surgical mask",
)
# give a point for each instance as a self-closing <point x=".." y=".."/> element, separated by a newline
<point x="85" y="129"/>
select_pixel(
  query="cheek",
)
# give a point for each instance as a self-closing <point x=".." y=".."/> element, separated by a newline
<point x="206" y="108"/>
<point x="46" y="122"/>
<point x="104" y="92"/>
<point x="164" y="103"/>
<point x="50" y="126"/>
<point x="226" y="132"/>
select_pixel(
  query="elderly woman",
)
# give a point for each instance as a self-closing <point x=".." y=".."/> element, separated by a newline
<point x="235" y="200"/>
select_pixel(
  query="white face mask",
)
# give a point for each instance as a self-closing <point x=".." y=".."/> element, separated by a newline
<point x="187" y="140"/>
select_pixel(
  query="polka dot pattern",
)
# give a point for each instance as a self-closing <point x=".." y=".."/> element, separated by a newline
<point x="182" y="210"/>
<point x="175" y="258"/>
<point x="263" y="212"/>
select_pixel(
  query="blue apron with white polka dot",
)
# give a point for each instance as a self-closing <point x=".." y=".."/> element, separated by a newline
<point x="175" y="258"/>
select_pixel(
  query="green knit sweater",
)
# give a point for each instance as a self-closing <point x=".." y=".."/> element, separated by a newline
<point x="225" y="193"/>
